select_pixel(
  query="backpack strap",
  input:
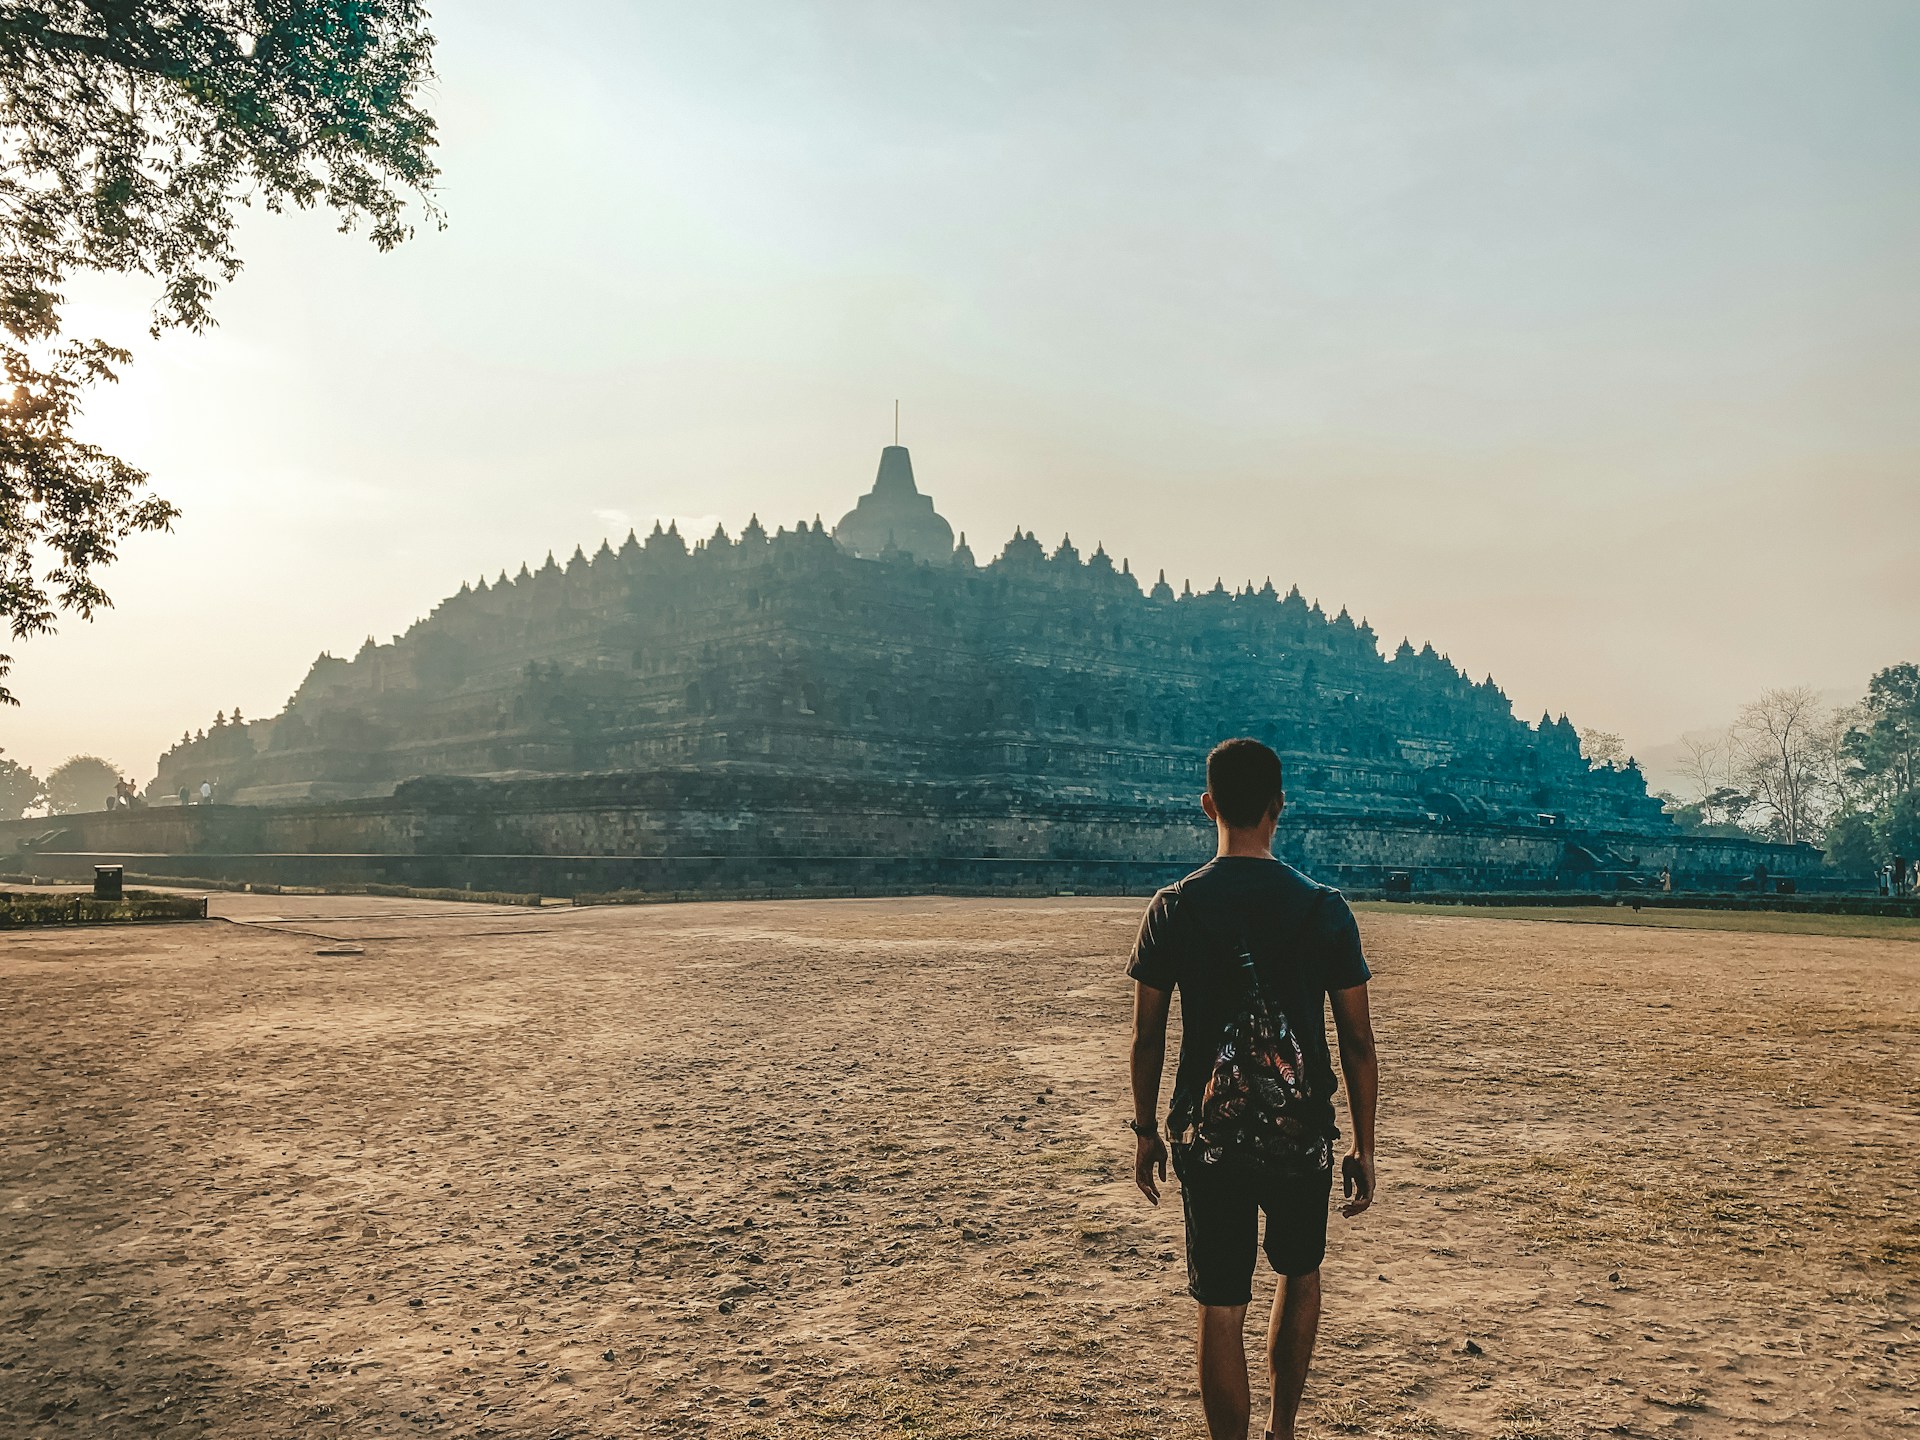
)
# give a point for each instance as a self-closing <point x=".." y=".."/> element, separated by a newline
<point x="1250" y="971"/>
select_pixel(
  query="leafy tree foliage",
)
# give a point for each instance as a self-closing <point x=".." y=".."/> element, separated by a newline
<point x="1897" y="827"/>
<point x="1884" y="747"/>
<point x="1602" y="748"/>
<point x="20" y="789"/>
<point x="131" y="132"/>
<point x="1852" y="847"/>
<point x="83" y="783"/>
<point x="1885" y="744"/>
<point x="1876" y="814"/>
<point x="1791" y="768"/>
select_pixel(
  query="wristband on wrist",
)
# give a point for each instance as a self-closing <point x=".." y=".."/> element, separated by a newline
<point x="1143" y="1131"/>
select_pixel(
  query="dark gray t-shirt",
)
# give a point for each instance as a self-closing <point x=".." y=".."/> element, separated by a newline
<point x="1303" y="940"/>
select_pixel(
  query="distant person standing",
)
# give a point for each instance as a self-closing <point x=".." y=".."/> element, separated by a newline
<point x="206" y="792"/>
<point x="1257" y="951"/>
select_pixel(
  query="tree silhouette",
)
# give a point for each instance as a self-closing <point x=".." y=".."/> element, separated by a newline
<point x="131" y="133"/>
<point x="20" y="789"/>
<point x="84" y="782"/>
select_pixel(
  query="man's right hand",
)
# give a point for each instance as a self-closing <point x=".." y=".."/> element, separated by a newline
<point x="1149" y="1155"/>
<point x="1356" y="1179"/>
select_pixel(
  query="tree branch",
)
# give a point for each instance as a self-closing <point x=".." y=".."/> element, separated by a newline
<point x="94" y="47"/>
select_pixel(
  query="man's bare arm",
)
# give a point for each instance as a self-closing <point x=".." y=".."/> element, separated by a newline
<point x="1149" y="1058"/>
<point x="1354" y="1023"/>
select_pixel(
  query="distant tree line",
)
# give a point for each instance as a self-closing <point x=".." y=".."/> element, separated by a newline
<point x="84" y="782"/>
<point x="1790" y="768"/>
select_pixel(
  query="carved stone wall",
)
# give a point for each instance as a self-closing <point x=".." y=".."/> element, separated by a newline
<point x="745" y="829"/>
<point x="1044" y="680"/>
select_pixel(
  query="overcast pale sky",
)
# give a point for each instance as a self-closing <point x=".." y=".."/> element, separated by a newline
<point x="1577" y="339"/>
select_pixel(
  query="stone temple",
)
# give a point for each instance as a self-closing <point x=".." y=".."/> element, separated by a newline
<point x="828" y="704"/>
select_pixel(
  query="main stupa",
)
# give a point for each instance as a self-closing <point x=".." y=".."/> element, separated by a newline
<point x="895" y="516"/>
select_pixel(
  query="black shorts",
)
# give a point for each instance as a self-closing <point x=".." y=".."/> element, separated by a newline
<point x="1223" y="1215"/>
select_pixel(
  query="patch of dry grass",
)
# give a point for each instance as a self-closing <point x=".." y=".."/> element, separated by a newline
<point x="621" y="1172"/>
<point x="1353" y="1415"/>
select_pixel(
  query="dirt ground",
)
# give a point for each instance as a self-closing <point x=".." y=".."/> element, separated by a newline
<point x="856" y="1168"/>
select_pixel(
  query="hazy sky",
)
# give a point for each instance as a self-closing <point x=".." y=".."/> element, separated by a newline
<point x="1581" y="340"/>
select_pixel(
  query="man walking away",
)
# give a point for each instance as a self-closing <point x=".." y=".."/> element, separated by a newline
<point x="1256" y="950"/>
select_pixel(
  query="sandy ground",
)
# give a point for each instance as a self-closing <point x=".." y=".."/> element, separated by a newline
<point x="856" y="1168"/>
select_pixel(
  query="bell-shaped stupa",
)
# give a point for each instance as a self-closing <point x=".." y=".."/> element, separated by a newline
<point x="895" y="515"/>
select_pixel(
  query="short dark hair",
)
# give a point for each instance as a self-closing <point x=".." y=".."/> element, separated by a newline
<point x="1243" y="776"/>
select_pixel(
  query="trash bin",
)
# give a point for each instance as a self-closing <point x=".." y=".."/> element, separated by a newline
<point x="107" y="880"/>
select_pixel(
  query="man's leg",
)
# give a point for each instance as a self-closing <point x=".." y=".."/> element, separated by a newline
<point x="1290" y="1333"/>
<point x="1223" y="1370"/>
<point x="1223" y="1237"/>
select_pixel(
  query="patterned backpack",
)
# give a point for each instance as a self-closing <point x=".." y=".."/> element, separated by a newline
<point x="1257" y="1115"/>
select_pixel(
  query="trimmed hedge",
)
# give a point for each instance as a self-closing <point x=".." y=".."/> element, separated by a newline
<point x="22" y="910"/>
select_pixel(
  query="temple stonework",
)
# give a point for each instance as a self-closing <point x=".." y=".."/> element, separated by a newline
<point x="884" y="653"/>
